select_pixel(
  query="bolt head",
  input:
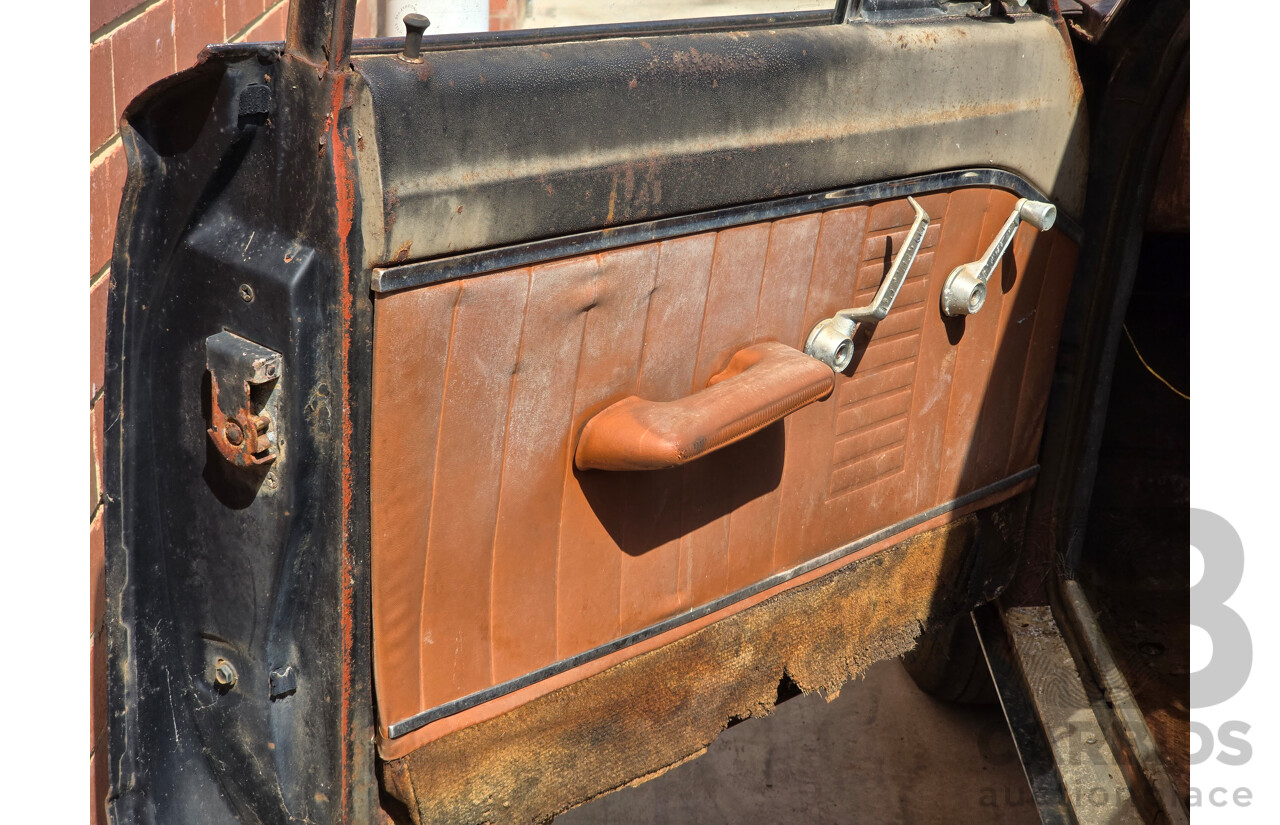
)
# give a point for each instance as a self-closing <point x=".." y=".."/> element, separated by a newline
<point x="233" y="433"/>
<point x="246" y="293"/>
<point x="224" y="674"/>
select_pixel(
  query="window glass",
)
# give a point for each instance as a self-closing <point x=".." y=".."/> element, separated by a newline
<point x="467" y="16"/>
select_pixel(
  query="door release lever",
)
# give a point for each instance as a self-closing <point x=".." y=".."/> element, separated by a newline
<point x="965" y="290"/>
<point x="831" y="341"/>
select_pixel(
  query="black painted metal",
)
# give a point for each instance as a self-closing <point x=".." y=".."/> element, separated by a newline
<point x="404" y="276"/>
<point x="1135" y="80"/>
<point x="204" y="560"/>
<point x="319" y="31"/>
<point x="400" y="728"/>
<point x="480" y="149"/>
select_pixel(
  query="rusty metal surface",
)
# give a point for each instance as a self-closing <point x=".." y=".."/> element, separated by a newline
<point x="484" y="147"/>
<point x="218" y="582"/>
<point x="1095" y="784"/>
<point x="240" y="426"/>
<point x="1117" y="709"/>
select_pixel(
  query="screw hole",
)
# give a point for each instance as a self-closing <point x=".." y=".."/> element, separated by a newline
<point x="844" y="354"/>
<point x="246" y="293"/>
<point x="976" y="298"/>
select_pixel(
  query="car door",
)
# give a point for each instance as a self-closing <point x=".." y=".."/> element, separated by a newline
<point x="492" y="425"/>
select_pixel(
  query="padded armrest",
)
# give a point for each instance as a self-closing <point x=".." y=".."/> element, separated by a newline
<point x="762" y="384"/>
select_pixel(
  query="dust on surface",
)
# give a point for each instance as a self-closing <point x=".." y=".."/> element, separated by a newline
<point x="640" y="718"/>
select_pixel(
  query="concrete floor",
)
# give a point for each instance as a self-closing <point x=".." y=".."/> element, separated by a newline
<point x="882" y="752"/>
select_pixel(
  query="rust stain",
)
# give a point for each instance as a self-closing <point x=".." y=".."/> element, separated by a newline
<point x="613" y="200"/>
<point x="343" y="159"/>
<point x="918" y="37"/>
<point x="241" y="436"/>
<point x="402" y="254"/>
<point x="694" y="62"/>
<point x="391" y="201"/>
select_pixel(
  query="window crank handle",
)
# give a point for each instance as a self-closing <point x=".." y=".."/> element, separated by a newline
<point x="831" y="341"/>
<point x="965" y="290"/>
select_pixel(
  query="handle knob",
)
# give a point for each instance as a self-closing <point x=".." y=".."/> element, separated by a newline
<point x="414" y="26"/>
<point x="965" y="290"/>
<point x="831" y="341"/>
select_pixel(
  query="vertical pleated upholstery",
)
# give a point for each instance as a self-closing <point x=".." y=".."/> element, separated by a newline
<point x="492" y="556"/>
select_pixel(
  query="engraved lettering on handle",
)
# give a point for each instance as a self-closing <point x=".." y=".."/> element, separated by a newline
<point x="965" y="290"/>
<point x="831" y="341"/>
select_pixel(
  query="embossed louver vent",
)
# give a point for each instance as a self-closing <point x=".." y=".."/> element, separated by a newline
<point x="875" y="403"/>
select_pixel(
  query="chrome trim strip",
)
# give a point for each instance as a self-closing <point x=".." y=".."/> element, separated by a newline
<point x="438" y="270"/>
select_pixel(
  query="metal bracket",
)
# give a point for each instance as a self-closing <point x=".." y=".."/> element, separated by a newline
<point x="831" y="341"/>
<point x="243" y="376"/>
<point x="965" y="290"/>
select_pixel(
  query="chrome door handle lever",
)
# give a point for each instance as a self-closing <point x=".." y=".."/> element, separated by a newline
<point x="965" y="290"/>
<point x="831" y="340"/>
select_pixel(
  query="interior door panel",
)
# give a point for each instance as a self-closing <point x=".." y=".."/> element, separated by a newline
<point x="494" y="558"/>
<point x="428" y="586"/>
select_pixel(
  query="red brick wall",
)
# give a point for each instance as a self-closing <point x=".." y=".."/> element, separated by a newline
<point x="506" y="14"/>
